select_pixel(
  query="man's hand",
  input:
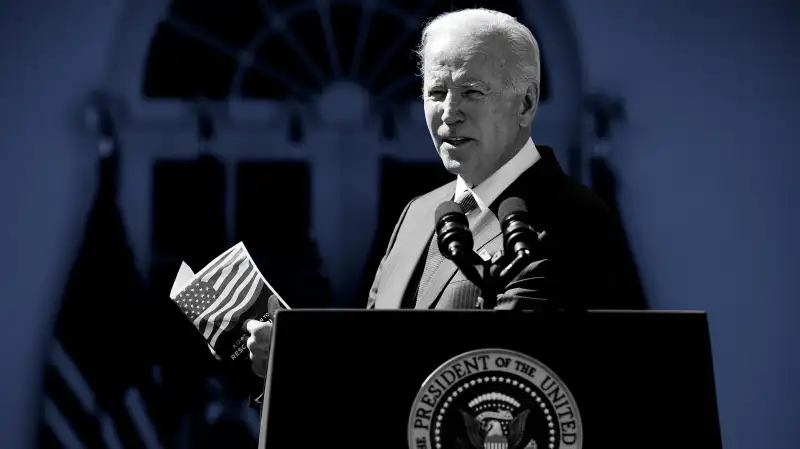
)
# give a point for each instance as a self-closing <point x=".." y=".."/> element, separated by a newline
<point x="258" y="344"/>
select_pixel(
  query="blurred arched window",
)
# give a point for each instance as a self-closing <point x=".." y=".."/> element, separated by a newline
<point x="282" y="49"/>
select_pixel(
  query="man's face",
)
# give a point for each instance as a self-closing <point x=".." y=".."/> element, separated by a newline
<point x="473" y="122"/>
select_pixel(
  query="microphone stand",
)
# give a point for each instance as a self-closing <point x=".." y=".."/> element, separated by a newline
<point x="466" y="261"/>
<point x="455" y="243"/>
<point x="496" y="274"/>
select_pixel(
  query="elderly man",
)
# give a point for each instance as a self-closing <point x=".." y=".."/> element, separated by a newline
<point x="481" y="91"/>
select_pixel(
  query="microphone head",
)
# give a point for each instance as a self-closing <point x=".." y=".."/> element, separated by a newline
<point x="446" y="208"/>
<point x="517" y="227"/>
<point x="511" y="206"/>
<point x="452" y="229"/>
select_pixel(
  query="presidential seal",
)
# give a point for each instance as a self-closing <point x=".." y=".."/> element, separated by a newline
<point x="494" y="399"/>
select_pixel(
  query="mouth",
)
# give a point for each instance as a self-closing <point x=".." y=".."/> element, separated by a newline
<point x="456" y="141"/>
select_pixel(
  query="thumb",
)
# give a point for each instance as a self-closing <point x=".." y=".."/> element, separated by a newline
<point x="273" y="305"/>
<point x="252" y="326"/>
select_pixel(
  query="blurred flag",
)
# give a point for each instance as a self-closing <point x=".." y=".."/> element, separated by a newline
<point x="101" y="386"/>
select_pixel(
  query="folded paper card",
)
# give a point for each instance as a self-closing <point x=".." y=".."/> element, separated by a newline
<point x="185" y="275"/>
<point x="222" y="297"/>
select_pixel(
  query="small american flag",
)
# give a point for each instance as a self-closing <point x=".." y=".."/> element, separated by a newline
<point x="222" y="297"/>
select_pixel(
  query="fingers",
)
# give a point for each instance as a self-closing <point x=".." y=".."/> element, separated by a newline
<point x="259" y="366"/>
<point x="259" y="355"/>
<point x="260" y="338"/>
<point x="255" y="344"/>
<point x="257" y="327"/>
<point x="258" y="344"/>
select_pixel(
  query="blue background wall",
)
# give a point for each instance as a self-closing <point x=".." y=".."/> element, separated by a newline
<point x="707" y="165"/>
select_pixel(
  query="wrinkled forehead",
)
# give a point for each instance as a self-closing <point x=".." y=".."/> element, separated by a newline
<point x="461" y="59"/>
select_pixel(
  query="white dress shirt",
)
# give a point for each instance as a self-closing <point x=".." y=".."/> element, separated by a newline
<point x="488" y="191"/>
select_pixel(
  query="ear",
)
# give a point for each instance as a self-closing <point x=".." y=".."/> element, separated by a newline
<point x="530" y="103"/>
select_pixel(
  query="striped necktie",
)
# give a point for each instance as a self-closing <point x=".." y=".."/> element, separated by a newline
<point x="435" y="258"/>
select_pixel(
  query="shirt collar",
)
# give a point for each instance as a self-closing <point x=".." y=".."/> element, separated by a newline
<point x="486" y="192"/>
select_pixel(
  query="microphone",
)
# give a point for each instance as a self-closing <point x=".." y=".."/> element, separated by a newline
<point x="519" y="236"/>
<point x="455" y="240"/>
<point x="453" y="234"/>
<point x="519" y="239"/>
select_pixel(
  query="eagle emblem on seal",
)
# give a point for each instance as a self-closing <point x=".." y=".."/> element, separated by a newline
<point x="490" y="434"/>
<point x="494" y="398"/>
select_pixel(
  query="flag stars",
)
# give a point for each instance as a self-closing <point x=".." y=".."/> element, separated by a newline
<point x="195" y="299"/>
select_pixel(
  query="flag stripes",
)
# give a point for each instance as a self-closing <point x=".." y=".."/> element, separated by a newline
<point x="71" y="374"/>
<point x="60" y="426"/>
<point x="69" y="406"/>
<point x="109" y="432"/>
<point x="218" y="296"/>
<point x="244" y="267"/>
<point x="234" y="313"/>
<point x="235" y="252"/>
<point x="73" y="418"/>
<point x="138" y="412"/>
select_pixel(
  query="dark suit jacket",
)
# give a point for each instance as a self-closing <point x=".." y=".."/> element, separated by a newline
<point x="584" y="261"/>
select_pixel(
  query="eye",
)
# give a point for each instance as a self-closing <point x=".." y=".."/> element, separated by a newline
<point x="473" y="92"/>
<point x="437" y="93"/>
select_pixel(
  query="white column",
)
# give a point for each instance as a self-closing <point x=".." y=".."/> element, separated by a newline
<point x="345" y="177"/>
<point x="345" y="159"/>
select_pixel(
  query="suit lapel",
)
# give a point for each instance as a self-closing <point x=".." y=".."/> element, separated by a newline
<point x="409" y="246"/>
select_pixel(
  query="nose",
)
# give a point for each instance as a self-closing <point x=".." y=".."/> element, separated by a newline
<point x="451" y="109"/>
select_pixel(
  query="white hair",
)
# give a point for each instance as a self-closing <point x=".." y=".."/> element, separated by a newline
<point x="522" y="69"/>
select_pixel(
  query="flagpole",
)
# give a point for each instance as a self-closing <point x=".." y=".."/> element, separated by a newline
<point x="606" y="111"/>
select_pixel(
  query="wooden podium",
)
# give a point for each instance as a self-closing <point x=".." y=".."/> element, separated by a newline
<point x="490" y="379"/>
